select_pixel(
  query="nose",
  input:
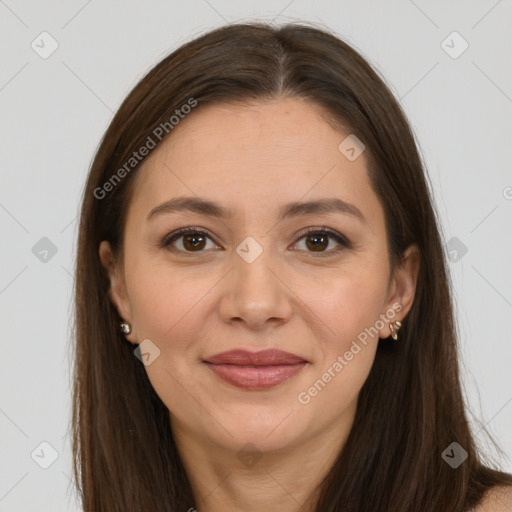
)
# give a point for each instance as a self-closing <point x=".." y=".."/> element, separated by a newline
<point x="256" y="293"/>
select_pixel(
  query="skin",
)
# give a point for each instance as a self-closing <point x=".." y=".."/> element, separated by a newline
<point x="496" y="499"/>
<point x="194" y="304"/>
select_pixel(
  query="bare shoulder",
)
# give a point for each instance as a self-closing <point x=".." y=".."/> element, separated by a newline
<point x="497" y="499"/>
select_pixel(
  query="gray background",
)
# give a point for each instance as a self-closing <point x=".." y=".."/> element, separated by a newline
<point x="54" y="111"/>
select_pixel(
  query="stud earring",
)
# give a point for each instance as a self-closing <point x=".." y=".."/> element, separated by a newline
<point x="394" y="329"/>
<point x="125" y="328"/>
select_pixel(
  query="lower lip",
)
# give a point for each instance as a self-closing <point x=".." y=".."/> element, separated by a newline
<point x="256" y="377"/>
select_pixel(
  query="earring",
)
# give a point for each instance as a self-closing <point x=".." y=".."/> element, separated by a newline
<point x="125" y="328"/>
<point x="394" y="329"/>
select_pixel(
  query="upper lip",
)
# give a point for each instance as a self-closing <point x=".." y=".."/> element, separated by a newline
<point x="269" y="357"/>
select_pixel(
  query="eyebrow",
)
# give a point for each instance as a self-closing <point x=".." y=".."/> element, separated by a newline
<point x="294" y="209"/>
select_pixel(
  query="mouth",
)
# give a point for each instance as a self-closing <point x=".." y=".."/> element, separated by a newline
<point x="255" y="370"/>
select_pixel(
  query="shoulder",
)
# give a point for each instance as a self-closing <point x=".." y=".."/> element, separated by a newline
<point x="497" y="499"/>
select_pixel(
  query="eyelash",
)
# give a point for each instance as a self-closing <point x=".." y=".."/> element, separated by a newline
<point x="342" y="240"/>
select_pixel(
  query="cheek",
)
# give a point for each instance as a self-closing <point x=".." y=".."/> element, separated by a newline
<point x="169" y="309"/>
<point x="166" y="303"/>
<point x="347" y="303"/>
<point x="359" y="303"/>
<point x="350" y="309"/>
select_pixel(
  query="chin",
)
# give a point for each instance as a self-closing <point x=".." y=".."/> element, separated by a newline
<point x="267" y="429"/>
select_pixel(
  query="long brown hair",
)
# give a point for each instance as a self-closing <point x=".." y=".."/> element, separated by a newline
<point x="410" y="409"/>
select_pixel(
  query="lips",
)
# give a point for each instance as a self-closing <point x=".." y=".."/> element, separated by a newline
<point x="255" y="370"/>
<point x="264" y="358"/>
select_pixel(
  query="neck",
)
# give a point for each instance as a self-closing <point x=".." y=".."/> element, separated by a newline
<point x="286" y="479"/>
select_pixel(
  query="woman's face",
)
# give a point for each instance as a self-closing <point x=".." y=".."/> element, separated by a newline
<point x="253" y="279"/>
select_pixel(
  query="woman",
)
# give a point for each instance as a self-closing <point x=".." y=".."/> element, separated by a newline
<point x="263" y="315"/>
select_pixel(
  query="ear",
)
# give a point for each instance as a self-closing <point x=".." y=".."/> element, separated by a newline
<point x="402" y="288"/>
<point x="117" y="291"/>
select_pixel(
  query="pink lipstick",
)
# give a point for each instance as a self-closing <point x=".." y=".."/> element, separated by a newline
<point x="255" y="370"/>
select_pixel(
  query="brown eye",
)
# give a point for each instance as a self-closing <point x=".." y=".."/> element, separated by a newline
<point x="194" y="242"/>
<point x="319" y="240"/>
<point x="187" y="240"/>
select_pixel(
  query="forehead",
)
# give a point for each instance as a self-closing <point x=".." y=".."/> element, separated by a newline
<point x="254" y="157"/>
<point x="279" y="132"/>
